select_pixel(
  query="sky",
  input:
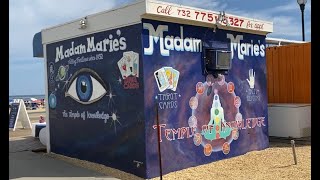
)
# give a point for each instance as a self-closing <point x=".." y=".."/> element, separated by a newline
<point x="27" y="17"/>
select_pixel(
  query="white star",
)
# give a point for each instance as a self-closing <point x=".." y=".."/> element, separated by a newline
<point x="115" y="119"/>
<point x="156" y="97"/>
<point x="114" y="116"/>
<point x="119" y="80"/>
<point x="110" y="95"/>
<point x="66" y="81"/>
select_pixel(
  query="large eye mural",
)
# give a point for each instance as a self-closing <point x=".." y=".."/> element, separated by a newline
<point x="86" y="87"/>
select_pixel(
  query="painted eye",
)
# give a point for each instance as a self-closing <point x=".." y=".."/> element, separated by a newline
<point x="86" y="87"/>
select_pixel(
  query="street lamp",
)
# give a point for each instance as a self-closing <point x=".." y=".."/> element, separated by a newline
<point x="302" y="4"/>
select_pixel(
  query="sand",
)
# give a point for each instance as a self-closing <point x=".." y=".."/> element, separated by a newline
<point x="272" y="163"/>
<point x="275" y="163"/>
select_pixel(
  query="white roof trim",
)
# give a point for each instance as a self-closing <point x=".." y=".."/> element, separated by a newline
<point x="280" y="41"/>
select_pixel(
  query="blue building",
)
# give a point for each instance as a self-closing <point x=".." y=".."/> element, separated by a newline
<point x="154" y="87"/>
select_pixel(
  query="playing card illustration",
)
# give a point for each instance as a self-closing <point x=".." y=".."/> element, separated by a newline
<point x="175" y="77"/>
<point x="169" y="75"/>
<point x="128" y="57"/>
<point x="123" y="66"/>
<point x="136" y="67"/>
<point x="161" y="79"/>
<point x="129" y="64"/>
<point x="135" y="64"/>
<point x="167" y="78"/>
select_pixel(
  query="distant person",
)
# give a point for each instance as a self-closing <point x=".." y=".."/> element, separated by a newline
<point x="41" y="120"/>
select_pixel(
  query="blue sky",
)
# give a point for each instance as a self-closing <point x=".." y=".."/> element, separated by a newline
<point x="26" y="74"/>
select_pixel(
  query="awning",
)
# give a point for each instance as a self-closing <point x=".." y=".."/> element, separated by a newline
<point x="37" y="45"/>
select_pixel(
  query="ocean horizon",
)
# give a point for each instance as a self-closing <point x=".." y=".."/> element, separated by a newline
<point x="37" y="96"/>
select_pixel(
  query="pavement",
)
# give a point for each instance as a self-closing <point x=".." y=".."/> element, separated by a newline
<point x="24" y="164"/>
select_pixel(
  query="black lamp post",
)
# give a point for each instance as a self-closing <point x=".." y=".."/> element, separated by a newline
<point x="302" y="4"/>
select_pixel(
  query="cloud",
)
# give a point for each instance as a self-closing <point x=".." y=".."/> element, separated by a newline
<point x="286" y="19"/>
<point x="204" y="4"/>
<point x="292" y="6"/>
<point x="26" y="79"/>
<point x="29" y="17"/>
<point x="26" y="18"/>
<point x="24" y="62"/>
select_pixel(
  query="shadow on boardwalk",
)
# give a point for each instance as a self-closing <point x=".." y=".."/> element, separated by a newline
<point x="25" y="164"/>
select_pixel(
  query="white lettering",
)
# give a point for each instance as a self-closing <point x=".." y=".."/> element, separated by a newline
<point x="105" y="45"/>
<point x="123" y="44"/>
<point x="169" y="43"/>
<point x="245" y="49"/>
<point x="59" y="54"/>
<point x="91" y="47"/>
<point x="99" y="46"/>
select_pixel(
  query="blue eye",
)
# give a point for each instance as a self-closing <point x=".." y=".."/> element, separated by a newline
<point x="85" y="87"/>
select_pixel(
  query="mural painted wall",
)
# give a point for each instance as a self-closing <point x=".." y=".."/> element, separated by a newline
<point x="95" y="87"/>
<point x="201" y="118"/>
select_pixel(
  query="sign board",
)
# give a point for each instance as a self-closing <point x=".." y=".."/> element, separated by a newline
<point x="18" y="112"/>
<point x="164" y="9"/>
<point x="13" y="114"/>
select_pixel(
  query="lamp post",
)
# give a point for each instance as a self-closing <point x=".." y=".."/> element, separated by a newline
<point x="302" y="4"/>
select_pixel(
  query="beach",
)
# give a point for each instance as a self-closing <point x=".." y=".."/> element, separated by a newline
<point x="34" y="116"/>
<point x="273" y="163"/>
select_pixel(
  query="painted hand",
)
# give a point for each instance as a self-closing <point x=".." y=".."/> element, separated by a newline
<point x="251" y="78"/>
